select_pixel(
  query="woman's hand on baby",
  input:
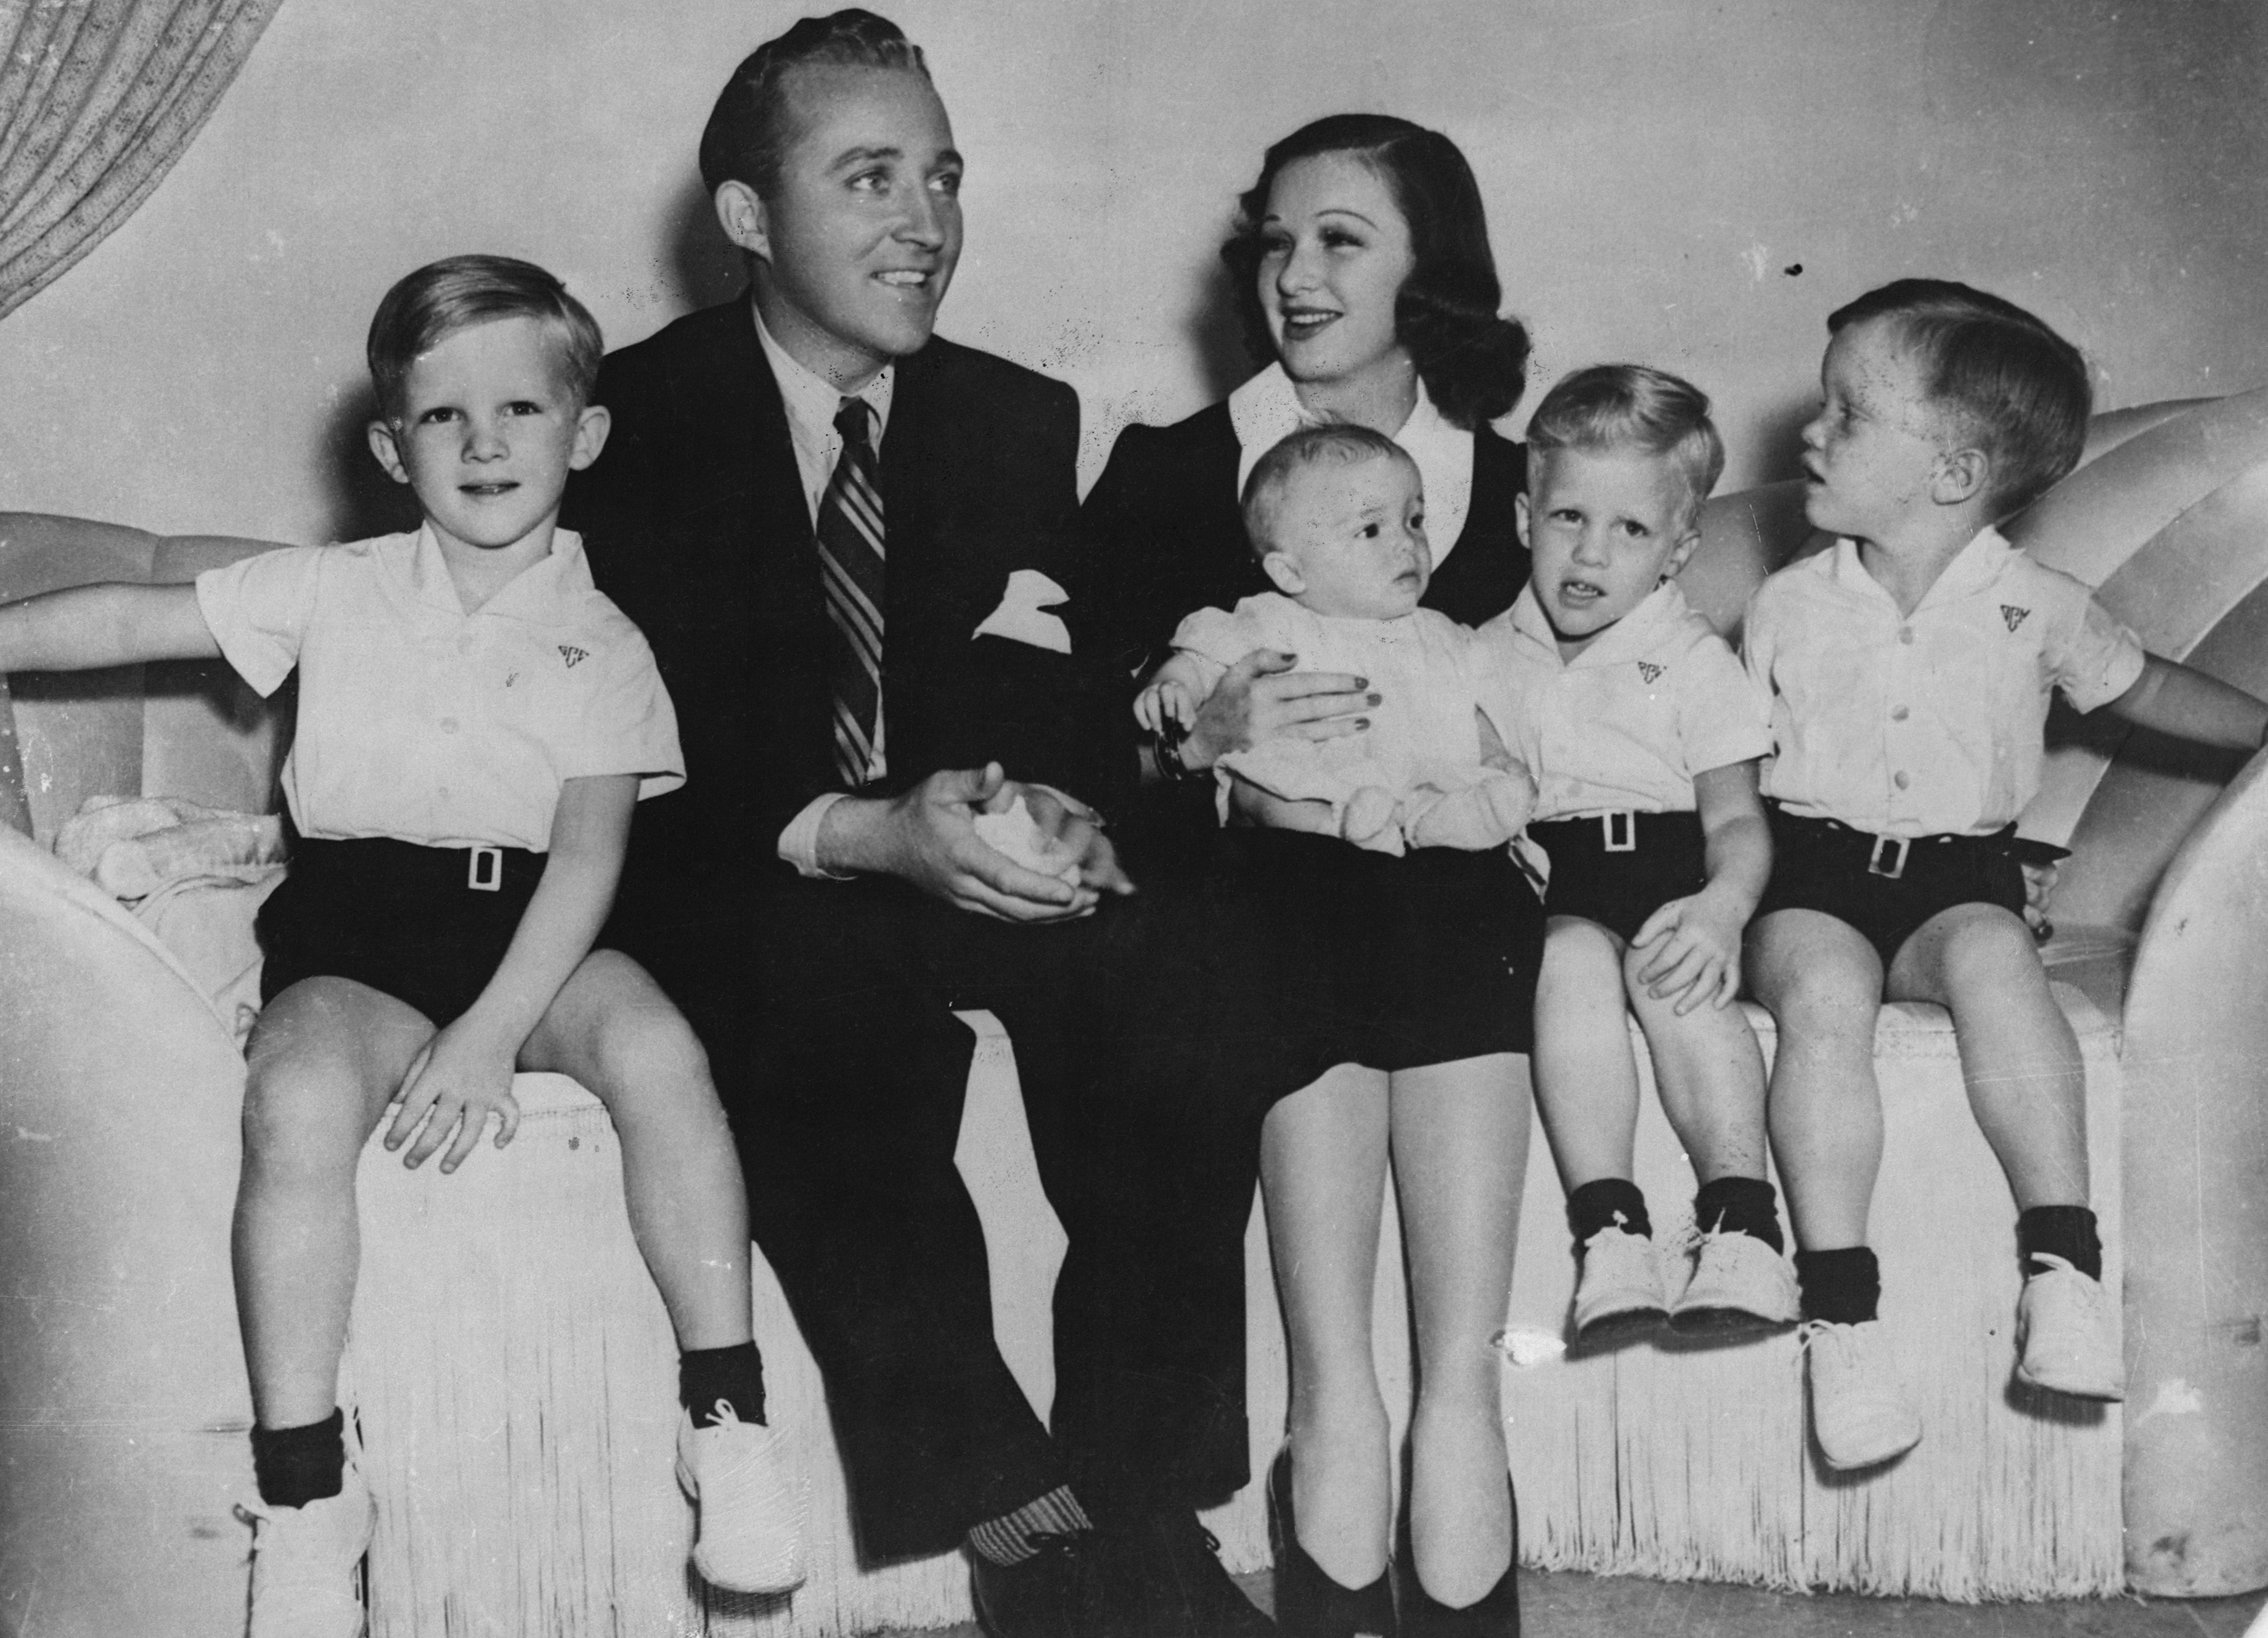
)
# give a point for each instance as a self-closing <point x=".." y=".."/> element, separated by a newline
<point x="1693" y="951"/>
<point x="461" y="1077"/>
<point x="1260" y="697"/>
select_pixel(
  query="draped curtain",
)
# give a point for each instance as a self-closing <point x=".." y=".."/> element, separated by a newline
<point x="98" y="99"/>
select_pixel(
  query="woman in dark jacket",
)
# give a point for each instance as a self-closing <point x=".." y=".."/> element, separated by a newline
<point x="1363" y="272"/>
<point x="1431" y="371"/>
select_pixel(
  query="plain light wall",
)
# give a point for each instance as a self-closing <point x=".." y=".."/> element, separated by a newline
<point x="1656" y="175"/>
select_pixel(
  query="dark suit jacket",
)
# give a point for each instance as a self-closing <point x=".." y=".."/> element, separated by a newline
<point x="1166" y="537"/>
<point x="697" y="525"/>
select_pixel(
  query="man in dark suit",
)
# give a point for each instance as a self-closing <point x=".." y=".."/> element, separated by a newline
<point x="843" y="539"/>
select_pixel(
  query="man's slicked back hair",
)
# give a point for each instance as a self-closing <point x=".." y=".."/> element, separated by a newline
<point x="2017" y="390"/>
<point x="427" y="308"/>
<point x="1610" y="406"/>
<point x="1336" y="443"/>
<point x="751" y="128"/>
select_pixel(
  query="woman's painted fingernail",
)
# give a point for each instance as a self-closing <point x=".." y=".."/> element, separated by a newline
<point x="1374" y="700"/>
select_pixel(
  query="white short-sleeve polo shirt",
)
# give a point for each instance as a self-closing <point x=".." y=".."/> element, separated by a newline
<point x="419" y="721"/>
<point x="1932" y="723"/>
<point x="1650" y="702"/>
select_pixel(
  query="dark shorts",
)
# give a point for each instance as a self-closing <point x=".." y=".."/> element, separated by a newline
<point x="1394" y="963"/>
<point x="397" y="916"/>
<point x="1616" y="869"/>
<point x="1822" y="864"/>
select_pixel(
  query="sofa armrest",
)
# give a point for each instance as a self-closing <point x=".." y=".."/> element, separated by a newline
<point x="2196" y="1061"/>
<point x="190" y="729"/>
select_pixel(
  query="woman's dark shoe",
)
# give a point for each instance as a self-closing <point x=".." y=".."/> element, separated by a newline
<point x="1308" y="1602"/>
<point x="1495" y="1615"/>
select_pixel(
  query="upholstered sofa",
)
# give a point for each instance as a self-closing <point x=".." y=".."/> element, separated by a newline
<point x="511" y="1362"/>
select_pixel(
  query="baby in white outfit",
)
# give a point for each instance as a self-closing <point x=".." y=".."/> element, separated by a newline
<point x="1336" y="516"/>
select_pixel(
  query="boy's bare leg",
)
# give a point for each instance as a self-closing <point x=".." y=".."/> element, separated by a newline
<point x="1459" y="1157"/>
<point x="1711" y="1075"/>
<point x="1586" y="1080"/>
<point x="1322" y="1167"/>
<point x="612" y="1028"/>
<point x="325" y="1060"/>
<point x="1823" y="982"/>
<point x="2018" y="1056"/>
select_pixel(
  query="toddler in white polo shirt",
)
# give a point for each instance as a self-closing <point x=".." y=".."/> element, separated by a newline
<point x="475" y="723"/>
<point x="1645" y="737"/>
<point x="1908" y="671"/>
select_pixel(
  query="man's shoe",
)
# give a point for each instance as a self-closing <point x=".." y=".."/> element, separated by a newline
<point x="1045" y="1596"/>
<point x="306" y="1562"/>
<point x="1159" y="1578"/>
<point x="1859" y="1412"/>
<point x="752" y="1495"/>
<point x="1620" y="1289"/>
<point x="1739" y="1284"/>
<point x="2067" y="1334"/>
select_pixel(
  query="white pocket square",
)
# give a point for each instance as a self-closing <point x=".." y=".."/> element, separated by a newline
<point x="1022" y="616"/>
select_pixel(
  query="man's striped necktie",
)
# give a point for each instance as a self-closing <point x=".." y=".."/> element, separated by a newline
<point x="850" y="563"/>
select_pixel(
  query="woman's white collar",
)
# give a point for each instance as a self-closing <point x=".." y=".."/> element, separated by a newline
<point x="1266" y="409"/>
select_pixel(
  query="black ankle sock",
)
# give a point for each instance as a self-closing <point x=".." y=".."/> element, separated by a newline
<point x="1595" y="1205"/>
<point x="735" y="1375"/>
<point x="295" y="1466"/>
<point x="1748" y="1206"/>
<point x="2064" y="1231"/>
<point x="1842" y="1286"/>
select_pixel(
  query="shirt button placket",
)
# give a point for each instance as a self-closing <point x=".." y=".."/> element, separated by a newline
<point x="1900" y="780"/>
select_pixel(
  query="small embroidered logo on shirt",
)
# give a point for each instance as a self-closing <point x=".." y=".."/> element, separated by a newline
<point x="2015" y="617"/>
<point x="510" y="677"/>
<point x="1647" y="670"/>
<point x="575" y="656"/>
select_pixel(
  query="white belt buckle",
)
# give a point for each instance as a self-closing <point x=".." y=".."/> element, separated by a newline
<point x="1624" y="820"/>
<point x="484" y="874"/>
<point x="1888" y="857"/>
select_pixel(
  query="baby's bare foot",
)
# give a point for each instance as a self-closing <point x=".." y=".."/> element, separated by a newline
<point x="1484" y="815"/>
<point x="1368" y="816"/>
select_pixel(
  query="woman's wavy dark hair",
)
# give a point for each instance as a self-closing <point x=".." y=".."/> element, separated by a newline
<point x="1474" y="363"/>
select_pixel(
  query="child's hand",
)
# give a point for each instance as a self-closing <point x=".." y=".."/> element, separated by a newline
<point x="2039" y="887"/>
<point x="1692" y="950"/>
<point x="1165" y="701"/>
<point x="454" y="1085"/>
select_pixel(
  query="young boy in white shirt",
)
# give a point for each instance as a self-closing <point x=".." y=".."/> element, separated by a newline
<point x="1643" y="736"/>
<point x="475" y="724"/>
<point x="1909" y="670"/>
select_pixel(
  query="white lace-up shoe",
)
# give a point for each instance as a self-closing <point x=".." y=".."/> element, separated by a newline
<point x="1859" y="1411"/>
<point x="2067" y="1334"/>
<point x="306" y="1562"/>
<point x="1620" y="1289"/>
<point x="1739" y="1284"/>
<point x="753" y="1494"/>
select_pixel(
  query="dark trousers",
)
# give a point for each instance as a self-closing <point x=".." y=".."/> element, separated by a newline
<point x="1145" y="1071"/>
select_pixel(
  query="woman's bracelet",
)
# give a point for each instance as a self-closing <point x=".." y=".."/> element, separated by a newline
<point x="1167" y="747"/>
